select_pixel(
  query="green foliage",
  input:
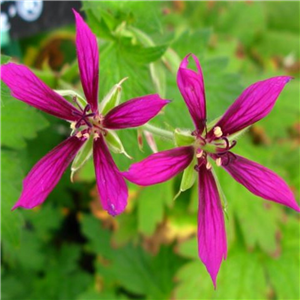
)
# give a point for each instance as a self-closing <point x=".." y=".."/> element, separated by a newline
<point x="152" y="200"/>
<point x="11" y="180"/>
<point x="69" y="248"/>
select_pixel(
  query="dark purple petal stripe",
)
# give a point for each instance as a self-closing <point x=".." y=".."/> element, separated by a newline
<point x="27" y="87"/>
<point x="160" y="167"/>
<point x="261" y="181"/>
<point x="212" y="245"/>
<point x="47" y="172"/>
<point x="191" y="86"/>
<point x="252" y="105"/>
<point x="111" y="185"/>
<point x="88" y="61"/>
<point x="134" y="112"/>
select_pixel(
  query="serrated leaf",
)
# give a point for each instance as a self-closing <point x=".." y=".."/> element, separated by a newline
<point x="153" y="199"/>
<point x="11" y="187"/>
<point x="240" y="277"/>
<point x="19" y="121"/>
<point x="284" y="269"/>
<point x="142" y="274"/>
<point x="145" y="55"/>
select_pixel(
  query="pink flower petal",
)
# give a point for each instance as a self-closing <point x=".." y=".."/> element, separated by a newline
<point x="110" y="182"/>
<point x="134" y="112"/>
<point x="261" y="181"/>
<point x="191" y="86"/>
<point x="160" y="167"/>
<point x="88" y="61"/>
<point x="27" y="87"/>
<point x="212" y="245"/>
<point x="47" y="172"/>
<point x="252" y="105"/>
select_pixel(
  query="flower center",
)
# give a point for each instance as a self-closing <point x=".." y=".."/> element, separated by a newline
<point x="88" y="122"/>
<point x="214" y="145"/>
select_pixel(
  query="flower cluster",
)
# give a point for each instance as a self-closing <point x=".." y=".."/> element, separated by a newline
<point x="93" y="125"/>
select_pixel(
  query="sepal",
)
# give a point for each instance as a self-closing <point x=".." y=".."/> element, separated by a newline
<point x="112" y="99"/>
<point x="114" y="143"/>
<point x="183" y="138"/>
<point x="70" y="93"/>
<point x="82" y="156"/>
<point x="188" y="178"/>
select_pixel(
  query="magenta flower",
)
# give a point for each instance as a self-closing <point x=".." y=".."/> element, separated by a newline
<point x="87" y="122"/>
<point x="215" y="144"/>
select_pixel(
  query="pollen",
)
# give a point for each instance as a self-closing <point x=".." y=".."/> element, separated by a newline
<point x="219" y="162"/>
<point x="79" y="134"/>
<point x="96" y="136"/>
<point x="72" y="125"/>
<point x="208" y="165"/>
<point x="86" y="135"/>
<point x="199" y="153"/>
<point x="218" y="132"/>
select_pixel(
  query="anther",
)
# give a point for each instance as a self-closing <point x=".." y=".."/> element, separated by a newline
<point x="79" y="134"/>
<point x="73" y="125"/>
<point x="218" y="132"/>
<point x="199" y="153"/>
<point x="208" y="165"/>
<point x="96" y="136"/>
<point x="219" y="162"/>
<point x="86" y="135"/>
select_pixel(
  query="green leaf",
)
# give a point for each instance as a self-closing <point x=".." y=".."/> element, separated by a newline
<point x="19" y="121"/>
<point x="283" y="269"/>
<point x="4" y="59"/>
<point x="145" y="55"/>
<point x="241" y="277"/>
<point x="99" y="238"/>
<point x="142" y="274"/>
<point x="11" y="188"/>
<point x="153" y="199"/>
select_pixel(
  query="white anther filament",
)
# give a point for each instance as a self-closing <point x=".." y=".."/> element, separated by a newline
<point x="199" y="153"/>
<point x="208" y="165"/>
<point x="219" y="162"/>
<point x="218" y="132"/>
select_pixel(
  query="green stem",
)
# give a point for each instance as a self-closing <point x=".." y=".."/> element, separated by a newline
<point x="159" y="132"/>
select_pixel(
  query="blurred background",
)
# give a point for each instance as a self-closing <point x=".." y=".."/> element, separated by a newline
<point x="69" y="248"/>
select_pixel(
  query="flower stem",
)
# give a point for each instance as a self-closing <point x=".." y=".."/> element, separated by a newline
<point x="159" y="132"/>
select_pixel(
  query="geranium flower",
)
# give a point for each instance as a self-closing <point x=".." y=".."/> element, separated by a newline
<point x="215" y="145"/>
<point x="87" y="122"/>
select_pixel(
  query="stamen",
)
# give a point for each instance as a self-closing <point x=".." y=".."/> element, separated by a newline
<point x="230" y="157"/>
<point x="208" y="165"/>
<point x="199" y="153"/>
<point x="218" y="132"/>
<point x="227" y="147"/>
<point x="79" y="134"/>
<point x="86" y="135"/>
<point x="72" y="125"/>
<point x="76" y="102"/>
<point x="196" y="168"/>
<point x="84" y="116"/>
<point x="219" y="162"/>
<point x="96" y="136"/>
